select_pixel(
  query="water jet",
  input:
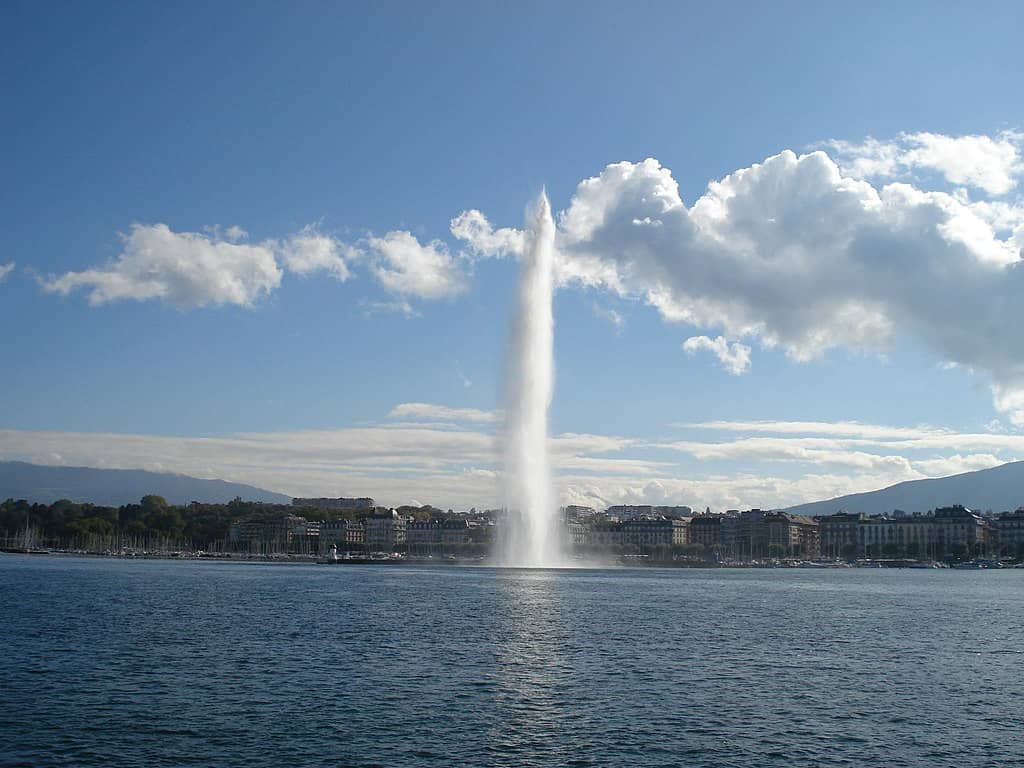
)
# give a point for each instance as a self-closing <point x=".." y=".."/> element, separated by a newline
<point x="531" y="532"/>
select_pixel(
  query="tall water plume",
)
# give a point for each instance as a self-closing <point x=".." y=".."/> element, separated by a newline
<point x="530" y="533"/>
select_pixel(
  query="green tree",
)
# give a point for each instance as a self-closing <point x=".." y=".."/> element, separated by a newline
<point x="90" y="526"/>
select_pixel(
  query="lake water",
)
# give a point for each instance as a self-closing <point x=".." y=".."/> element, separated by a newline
<point x="147" y="663"/>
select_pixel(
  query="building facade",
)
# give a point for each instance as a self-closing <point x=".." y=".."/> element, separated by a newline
<point x="264" y="536"/>
<point x="839" y="534"/>
<point x="947" y="532"/>
<point x="706" y="530"/>
<point x="345" y="534"/>
<point x="756" y="535"/>
<point x="639" y="532"/>
<point x="385" y="530"/>
<point x="1009" y="528"/>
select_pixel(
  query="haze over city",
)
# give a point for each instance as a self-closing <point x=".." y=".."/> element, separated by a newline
<point x="780" y="278"/>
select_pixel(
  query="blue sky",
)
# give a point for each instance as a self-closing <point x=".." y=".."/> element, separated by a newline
<point x="344" y="138"/>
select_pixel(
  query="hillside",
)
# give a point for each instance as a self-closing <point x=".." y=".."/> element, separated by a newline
<point x="999" y="488"/>
<point x="114" y="487"/>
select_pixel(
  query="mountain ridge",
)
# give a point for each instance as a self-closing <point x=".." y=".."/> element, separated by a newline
<point x="997" y="488"/>
<point x="116" y="487"/>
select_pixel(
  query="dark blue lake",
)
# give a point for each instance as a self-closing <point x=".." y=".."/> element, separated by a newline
<point x="106" y="662"/>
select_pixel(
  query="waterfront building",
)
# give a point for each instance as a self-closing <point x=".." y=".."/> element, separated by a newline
<point x="304" y="536"/>
<point x="631" y="511"/>
<point x="963" y="532"/>
<point x="628" y="511"/>
<point x="1009" y="529"/>
<point x="436" y="536"/>
<point x="706" y="530"/>
<point x="575" y="511"/>
<point x="244" y="533"/>
<point x="915" y="536"/>
<point x="639" y="532"/>
<point x="577" y="532"/>
<point x="674" y="511"/>
<point x="789" y="535"/>
<point x="756" y="534"/>
<point x="458" y="531"/>
<point x="385" y="529"/>
<point x="946" y="532"/>
<point x="744" y="535"/>
<point x="839" y="534"/>
<point x="424" y="536"/>
<point x="730" y="534"/>
<point x="606" y="533"/>
<point x="265" y="536"/>
<point x="345" y="534"/>
<point x="654" y="532"/>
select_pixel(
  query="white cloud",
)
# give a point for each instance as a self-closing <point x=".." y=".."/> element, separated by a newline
<point x="979" y="161"/>
<point x="854" y="429"/>
<point x="576" y="444"/>
<point x="232" y="234"/>
<point x="1010" y="401"/>
<point x="398" y="307"/>
<point x="490" y="474"/>
<point x="189" y="269"/>
<point x="185" y="269"/>
<point x="458" y="466"/>
<point x="391" y="465"/>
<point x="720" y="492"/>
<point x="463" y="378"/>
<point x="5" y="270"/>
<point x="822" y="452"/>
<point x="483" y="240"/>
<point x="1002" y="216"/>
<point x="611" y="315"/>
<point x="792" y="439"/>
<point x="431" y="412"/>
<point x="405" y="266"/>
<point x="448" y="468"/>
<point x="867" y="159"/>
<point x="956" y="464"/>
<point x="983" y="162"/>
<point x="734" y="357"/>
<point x="310" y="251"/>
<point x="792" y="253"/>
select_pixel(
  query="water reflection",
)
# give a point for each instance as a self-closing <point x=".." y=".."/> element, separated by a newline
<point x="532" y="672"/>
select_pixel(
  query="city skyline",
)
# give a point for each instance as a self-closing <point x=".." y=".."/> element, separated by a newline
<point x="294" y="266"/>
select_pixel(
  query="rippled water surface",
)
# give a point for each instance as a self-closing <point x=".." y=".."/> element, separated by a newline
<point x="106" y="662"/>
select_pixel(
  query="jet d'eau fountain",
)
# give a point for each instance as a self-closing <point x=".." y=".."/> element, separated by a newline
<point x="531" y="531"/>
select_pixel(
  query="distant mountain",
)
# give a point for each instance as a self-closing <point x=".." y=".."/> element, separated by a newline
<point x="114" y="487"/>
<point x="999" y="488"/>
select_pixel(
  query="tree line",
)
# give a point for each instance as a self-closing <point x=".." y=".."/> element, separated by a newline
<point x="150" y="523"/>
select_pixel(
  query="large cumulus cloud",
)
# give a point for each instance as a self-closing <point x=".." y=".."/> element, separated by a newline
<point x="794" y="254"/>
<point x="803" y="252"/>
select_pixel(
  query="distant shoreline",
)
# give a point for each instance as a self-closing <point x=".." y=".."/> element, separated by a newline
<point x="483" y="563"/>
